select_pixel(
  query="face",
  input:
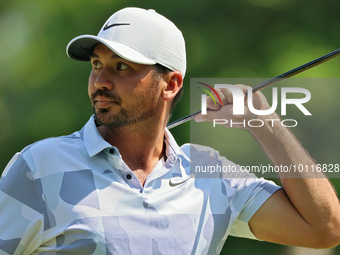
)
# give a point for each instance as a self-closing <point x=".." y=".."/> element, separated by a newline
<point x="122" y="93"/>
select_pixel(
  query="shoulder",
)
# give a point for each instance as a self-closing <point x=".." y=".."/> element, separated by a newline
<point x="206" y="162"/>
<point x="207" y="159"/>
<point x="52" y="144"/>
<point x="196" y="151"/>
<point x="53" y="153"/>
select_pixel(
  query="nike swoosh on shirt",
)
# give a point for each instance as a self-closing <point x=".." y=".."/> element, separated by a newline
<point x="107" y="26"/>
<point x="174" y="184"/>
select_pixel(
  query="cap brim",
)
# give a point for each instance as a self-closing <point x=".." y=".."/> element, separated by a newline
<point x="81" y="47"/>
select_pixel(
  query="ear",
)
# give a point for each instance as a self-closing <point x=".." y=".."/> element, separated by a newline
<point x="174" y="82"/>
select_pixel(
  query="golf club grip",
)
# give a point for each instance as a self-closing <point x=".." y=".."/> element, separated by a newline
<point x="295" y="71"/>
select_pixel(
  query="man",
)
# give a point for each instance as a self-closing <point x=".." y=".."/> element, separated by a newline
<point x="122" y="185"/>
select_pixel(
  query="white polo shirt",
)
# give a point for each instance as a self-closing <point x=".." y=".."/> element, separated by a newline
<point x="75" y="195"/>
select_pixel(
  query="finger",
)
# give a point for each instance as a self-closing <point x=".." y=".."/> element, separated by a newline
<point x="228" y="96"/>
<point x="225" y="111"/>
<point x="244" y="88"/>
<point x="216" y="100"/>
<point x="213" y="104"/>
<point x="223" y="98"/>
<point x="259" y="100"/>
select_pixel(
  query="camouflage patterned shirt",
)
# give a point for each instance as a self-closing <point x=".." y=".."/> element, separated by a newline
<point x="75" y="195"/>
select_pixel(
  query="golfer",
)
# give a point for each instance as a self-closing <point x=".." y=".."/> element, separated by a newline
<point x="122" y="185"/>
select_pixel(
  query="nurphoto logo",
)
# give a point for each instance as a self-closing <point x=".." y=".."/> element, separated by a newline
<point x="239" y="103"/>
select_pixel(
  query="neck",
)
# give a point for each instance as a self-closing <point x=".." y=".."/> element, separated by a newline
<point x="141" y="145"/>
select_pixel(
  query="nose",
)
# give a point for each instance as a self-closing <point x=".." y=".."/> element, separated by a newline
<point x="102" y="80"/>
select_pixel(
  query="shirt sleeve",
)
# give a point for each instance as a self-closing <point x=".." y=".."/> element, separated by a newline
<point x="21" y="209"/>
<point x="251" y="194"/>
<point x="244" y="191"/>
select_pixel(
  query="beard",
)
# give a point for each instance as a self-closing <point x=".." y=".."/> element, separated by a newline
<point x="143" y="108"/>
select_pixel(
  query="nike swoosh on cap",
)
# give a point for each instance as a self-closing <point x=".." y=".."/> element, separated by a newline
<point x="107" y="26"/>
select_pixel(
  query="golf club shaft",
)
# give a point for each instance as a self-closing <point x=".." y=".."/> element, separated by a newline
<point x="295" y="71"/>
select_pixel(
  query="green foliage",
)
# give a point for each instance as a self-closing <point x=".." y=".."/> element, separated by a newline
<point x="43" y="93"/>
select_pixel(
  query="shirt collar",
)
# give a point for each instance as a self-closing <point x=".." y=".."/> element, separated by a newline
<point x="93" y="141"/>
<point x="172" y="146"/>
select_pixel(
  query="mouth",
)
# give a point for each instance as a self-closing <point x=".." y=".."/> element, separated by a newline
<point x="102" y="102"/>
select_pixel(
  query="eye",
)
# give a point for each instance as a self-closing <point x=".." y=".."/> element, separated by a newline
<point x="122" y="66"/>
<point x="96" y="64"/>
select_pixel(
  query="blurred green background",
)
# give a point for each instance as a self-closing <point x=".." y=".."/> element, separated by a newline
<point x="43" y="93"/>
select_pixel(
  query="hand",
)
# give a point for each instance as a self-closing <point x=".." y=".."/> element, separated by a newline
<point x="225" y="111"/>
